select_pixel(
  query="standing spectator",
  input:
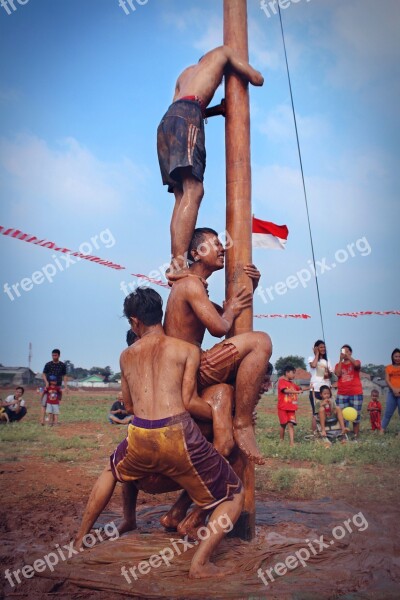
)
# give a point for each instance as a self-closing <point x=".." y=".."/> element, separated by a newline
<point x="287" y="403"/>
<point x="54" y="394"/>
<point x="14" y="408"/>
<point x="393" y="396"/>
<point x="350" y="392"/>
<point x="375" y="409"/>
<point x="118" y="413"/>
<point x="321" y="374"/>
<point x="57" y="368"/>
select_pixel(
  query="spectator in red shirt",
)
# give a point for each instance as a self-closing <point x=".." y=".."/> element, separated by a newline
<point x="350" y="392"/>
<point x="375" y="409"/>
<point x="288" y="392"/>
<point x="54" y="395"/>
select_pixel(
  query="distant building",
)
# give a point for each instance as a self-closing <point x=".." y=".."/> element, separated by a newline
<point x="92" y="381"/>
<point x="16" y="376"/>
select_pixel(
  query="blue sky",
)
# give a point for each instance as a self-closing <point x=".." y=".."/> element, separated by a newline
<point x="83" y="88"/>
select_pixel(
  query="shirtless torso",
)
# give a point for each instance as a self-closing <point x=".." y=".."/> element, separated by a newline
<point x="158" y="375"/>
<point x="204" y="78"/>
<point x="190" y="312"/>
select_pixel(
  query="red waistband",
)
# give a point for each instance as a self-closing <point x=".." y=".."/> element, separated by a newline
<point x="203" y="105"/>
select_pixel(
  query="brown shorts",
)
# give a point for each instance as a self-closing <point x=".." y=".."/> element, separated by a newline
<point x="218" y="365"/>
<point x="175" y="447"/>
<point x="181" y="142"/>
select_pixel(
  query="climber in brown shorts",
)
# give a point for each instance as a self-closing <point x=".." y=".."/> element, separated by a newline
<point x="242" y="359"/>
<point x="181" y="144"/>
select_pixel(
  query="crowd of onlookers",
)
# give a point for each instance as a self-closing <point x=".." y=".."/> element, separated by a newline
<point x="324" y="406"/>
<point x="349" y="393"/>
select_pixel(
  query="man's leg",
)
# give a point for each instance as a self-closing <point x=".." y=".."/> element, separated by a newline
<point x="201" y="567"/>
<point x="255" y="349"/>
<point x="177" y="512"/>
<point x="356" y="402"/>
<point x="21" y="413"/>
<point x="129" y="499"/>
<point x="391" y="404"/>
<point x="220" y="398"/>
<point x="184" y="216"/>
<point x="99" y="498"/>
<point x="282" y="433"/>
<point x="191" y="523"/>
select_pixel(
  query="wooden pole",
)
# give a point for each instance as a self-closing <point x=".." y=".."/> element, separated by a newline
<point x="238" y="212"/>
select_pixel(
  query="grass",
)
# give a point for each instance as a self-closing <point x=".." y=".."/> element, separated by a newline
<point x="28" y="438"/>
<point x="78" y="408"/>
<point x="372" y="449"/>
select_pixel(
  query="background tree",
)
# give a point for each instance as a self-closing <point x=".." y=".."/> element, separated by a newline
<point x="107" y="372"/>
<point x="297" y="361"/>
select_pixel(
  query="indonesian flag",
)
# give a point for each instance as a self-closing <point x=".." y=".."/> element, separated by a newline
<point x="269" y="235"/>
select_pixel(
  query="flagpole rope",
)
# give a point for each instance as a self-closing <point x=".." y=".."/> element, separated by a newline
<point x="302" y="173"/>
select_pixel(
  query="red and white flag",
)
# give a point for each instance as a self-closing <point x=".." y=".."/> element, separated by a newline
<point x="269" y="235"/>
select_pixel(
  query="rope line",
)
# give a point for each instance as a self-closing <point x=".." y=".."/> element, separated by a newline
<point x="302" y="173"/>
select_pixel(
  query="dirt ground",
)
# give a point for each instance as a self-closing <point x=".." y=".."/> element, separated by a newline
<point x="43" y="500"/>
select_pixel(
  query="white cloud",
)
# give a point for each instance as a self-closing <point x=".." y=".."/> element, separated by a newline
<point x="69" y="174"/>
<point x="278" y="125"/>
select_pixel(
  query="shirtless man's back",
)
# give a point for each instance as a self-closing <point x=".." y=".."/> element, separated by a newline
<point x="158" y="383"/>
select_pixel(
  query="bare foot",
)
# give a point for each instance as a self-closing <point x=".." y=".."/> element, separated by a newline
<point x="125" y="526"/>
<point x="192" y="522"/>
<point x="245" y="439"/>
<point x="78" y="544"/>
<point x="177" y="512"/>
<point x="198" y="571"/>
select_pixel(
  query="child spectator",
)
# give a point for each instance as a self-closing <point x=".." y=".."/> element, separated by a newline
<point x="326" y="407"/>
<point x="287" y="403"/>
<point x="321" y="373"/>
<point x="393" y="396"/>
<point x="375" y="409"/>
<point x="118" y="413"/>
<point x="54" y="395"/>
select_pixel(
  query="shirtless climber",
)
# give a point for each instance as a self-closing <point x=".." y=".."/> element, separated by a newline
<point x="159" y="382"/>
<point x="241" y="359"/>
<point x="181" y="140"/>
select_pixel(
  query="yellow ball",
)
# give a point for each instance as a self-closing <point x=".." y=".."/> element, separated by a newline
<point x="349" y="413"/>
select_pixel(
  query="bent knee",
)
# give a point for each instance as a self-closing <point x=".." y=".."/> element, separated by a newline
<point x="262" y="341"/>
